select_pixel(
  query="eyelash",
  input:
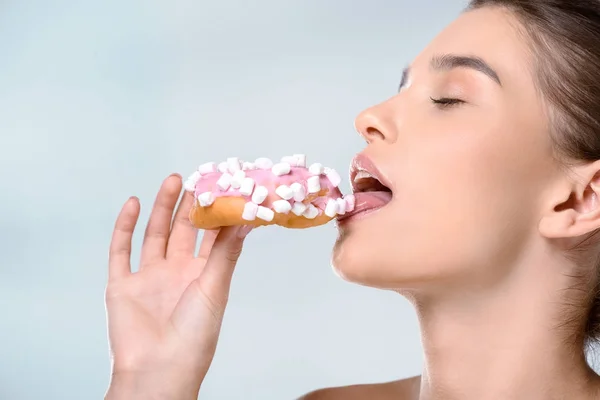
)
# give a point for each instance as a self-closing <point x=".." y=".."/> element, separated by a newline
<point x="446" y="102"/>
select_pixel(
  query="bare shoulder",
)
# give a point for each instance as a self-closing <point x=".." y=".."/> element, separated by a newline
<point x="403" y="389"/>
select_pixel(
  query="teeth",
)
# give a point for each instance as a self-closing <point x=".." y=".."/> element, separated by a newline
<point x="316" y="169"/>
<point x="363" y="175"/>
<point x="299" y="191"/>
<point x="282" y="206"/>
<point x="207" y="168"/>
<point x="281" y="169"/>
<point x="285" y="192"/>
<point x="331" y="208"/>
<point x="237" y="179"/>
<point x="311" y="212"/>
<point x="233" y="164"/>
<point x="250" y="211"/>
<point x="299" y="208"/>
<point x="333" y="176"/>
<point x="222" y="167"/>
<point x="247" y="186"/>
<point x="248" y="166"/>
<point x="224" y="181"/>
<point x="264" y="213"/>
<point x="341" y="206"/>
<point x="300" y="160"/>
<point x="260" y="194"/>
<point x="263" y="163"/>
<point x="350" y="202"/>
<point x="313" y="184"/>
<point x="206" y="199"/>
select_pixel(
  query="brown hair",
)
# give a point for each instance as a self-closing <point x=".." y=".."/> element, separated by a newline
<point x="564" y="37"/>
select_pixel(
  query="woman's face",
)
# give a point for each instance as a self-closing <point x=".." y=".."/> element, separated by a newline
<point x="467" y="178"/>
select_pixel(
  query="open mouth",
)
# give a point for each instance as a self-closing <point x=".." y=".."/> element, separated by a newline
<point x="370" y="188"/>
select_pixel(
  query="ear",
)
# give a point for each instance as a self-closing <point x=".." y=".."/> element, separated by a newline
<point x="580" y="212"/>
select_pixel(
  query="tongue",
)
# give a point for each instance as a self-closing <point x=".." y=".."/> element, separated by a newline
<point x="369" y="200"/>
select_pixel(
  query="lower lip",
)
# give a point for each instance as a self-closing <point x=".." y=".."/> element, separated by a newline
<point x="365" y="203"/>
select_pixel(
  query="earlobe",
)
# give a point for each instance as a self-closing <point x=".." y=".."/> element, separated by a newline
<point x="580" y="213"/>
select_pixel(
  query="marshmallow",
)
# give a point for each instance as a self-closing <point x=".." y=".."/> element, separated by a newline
<point x="206" y="199"/>
<point x="299" y="208"/>
<point x="341" y="205"/>
<point x="263" y="163"/>
<point x="260" y="194"/>
<point x="331" y="208"/>
<point x="333" y="176"/>
<point x="289" y="160"/>
<point x="248" y="166"/>
<point x="313" y="184"/>
<point x="311" y="212"/>
<point x="300" y="160"/>
<point x="316" y="169"/>
<point x="237" y="179"/>
<point x="247" y="186"/>
<point x="299" y="191"/>
<point x="350" y="202"/>
<point x="222" y="167"/>
<point x="233" y="164"/>
<point x="285" y="192"/>
<point x="207" y="168"/>
<point x="264" y="213"/>
<point x="224" y="181"/>
<point x="282" y="206"/>
<point x="190" y="183"/>
<point x="280" y="169"/>
<point x="250" y="211"/>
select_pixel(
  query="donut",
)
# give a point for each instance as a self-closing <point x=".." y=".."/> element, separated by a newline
<point x="285" y="193"/>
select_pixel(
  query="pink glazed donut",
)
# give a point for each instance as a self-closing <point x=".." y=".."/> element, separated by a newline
<point x="287" y="193"/>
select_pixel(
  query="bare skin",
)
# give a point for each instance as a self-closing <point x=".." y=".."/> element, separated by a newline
<point x="474" y="237"/>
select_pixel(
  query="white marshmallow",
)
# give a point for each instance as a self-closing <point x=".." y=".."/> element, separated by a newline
<point x="247" y="186"/>
<point x="341" y="204"/>
<point x="250" y="211"/>
<point x="222" y="167"/>
<point x="289" y="160"/>
<point x="313" y="184"/>
<point x="260" y="194"/>
<point x="224" y="181"/>
<point x="350" y="202"/>
<point x="316" y="169"/>
<point x="299" y="208"/>
<point x="282" y="206"/>
<point x="263" y="163"/>
<point x="233" y="164"/>
<point x="311" y="212"/>
<point x="280" y="169"/>
<point x="190" y="183"/>
<point x="300" y="160"/>
<point x="248" y="166"/>
<point x="264" y="213"/>
<point x="237" y="179"/>
<point x="285" y="192"/>
<point x="206" y="199"/>
<point x="299" y="191"/>
<point x="207" y="168"/>
<point x="331" y="208"/>
<point x="333" y="176"/>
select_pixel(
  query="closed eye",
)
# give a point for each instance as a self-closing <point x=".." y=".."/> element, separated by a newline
<point x="446" y="102"/>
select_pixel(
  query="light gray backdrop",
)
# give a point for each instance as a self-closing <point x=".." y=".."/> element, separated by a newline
<point x="100" y="100"/>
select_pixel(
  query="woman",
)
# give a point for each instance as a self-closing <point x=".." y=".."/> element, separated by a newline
<point x="491" y="149"/>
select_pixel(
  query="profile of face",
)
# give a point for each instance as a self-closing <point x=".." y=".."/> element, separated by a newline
<point x="465" y="149"/>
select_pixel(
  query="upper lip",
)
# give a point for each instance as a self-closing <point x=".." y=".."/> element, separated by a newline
<point x="362" y="162"/>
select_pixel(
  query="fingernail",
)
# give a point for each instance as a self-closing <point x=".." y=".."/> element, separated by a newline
<point x="244" y="230"/>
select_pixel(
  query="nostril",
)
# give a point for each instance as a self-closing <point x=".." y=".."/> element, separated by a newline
<point x="372" y="134"/>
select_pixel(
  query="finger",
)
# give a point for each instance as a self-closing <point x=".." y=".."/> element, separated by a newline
<point x="119" y="254"/>
<point x="182" y="240"/>
<point x="159" y="223"/>
<point x="208" y="239"/>
<point x="215" y="279"/>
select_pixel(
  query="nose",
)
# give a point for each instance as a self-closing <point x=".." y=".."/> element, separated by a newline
<point x="376" y="123"/>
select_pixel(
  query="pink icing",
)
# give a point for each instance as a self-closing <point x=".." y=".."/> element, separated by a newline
<point x="266" y="178"/>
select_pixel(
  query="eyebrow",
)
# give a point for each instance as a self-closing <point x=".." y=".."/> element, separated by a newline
<point x="447" y="62"/>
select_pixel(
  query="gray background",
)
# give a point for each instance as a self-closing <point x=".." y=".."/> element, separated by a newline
<point x="100" y="100"/>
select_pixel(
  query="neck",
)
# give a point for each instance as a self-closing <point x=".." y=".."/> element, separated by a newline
<point x="501" y="342"/>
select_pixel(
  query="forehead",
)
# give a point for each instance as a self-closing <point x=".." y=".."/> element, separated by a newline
<point x="490" y="33"/>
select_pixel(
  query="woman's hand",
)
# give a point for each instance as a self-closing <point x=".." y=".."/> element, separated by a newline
<point x="164" y="320"/>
